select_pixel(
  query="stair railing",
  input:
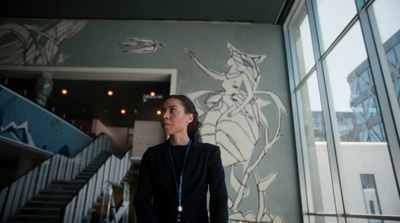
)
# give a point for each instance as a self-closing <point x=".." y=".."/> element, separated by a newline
<point x="109" y="208"/>
<point x="113" y="170"/>
<point x="56" y="167"/>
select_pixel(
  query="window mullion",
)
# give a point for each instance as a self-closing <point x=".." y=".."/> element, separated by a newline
<point x="328" y="113"/>
<point x="291" y="73"/>
<point x="382" y="79"/>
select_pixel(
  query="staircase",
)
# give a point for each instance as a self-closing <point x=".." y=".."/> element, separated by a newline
<point x="119" y="196"/>
<point x="63" y="189"/>
<point x="49" y="204"/>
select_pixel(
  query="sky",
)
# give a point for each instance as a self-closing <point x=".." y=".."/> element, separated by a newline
<point x="350" y="52"/>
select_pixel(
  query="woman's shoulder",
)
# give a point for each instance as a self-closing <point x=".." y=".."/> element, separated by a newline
<point x="157" y="148"/>
<point x="207" y="146"/>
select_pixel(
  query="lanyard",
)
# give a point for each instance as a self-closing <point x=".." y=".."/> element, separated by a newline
<point x="179" y="190"/>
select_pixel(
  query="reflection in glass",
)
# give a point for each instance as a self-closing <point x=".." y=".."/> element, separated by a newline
<point x="323" y="219"/>
<point x="315" y="151"/>
<point x="363" y="150"/>
<point x="300" y="37"/>
<point x="332" y="18"/>
<point x="370" y="194"/>
<point x="363" y="220"/>
<point x="387" y="16"/>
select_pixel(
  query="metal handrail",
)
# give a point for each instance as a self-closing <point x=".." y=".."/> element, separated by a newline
<point x="108" y="207"/>
<point x="56" y="167"/>
<point x="113" y="170"/>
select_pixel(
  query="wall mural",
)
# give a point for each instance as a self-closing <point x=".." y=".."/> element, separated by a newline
<point x="33" y="44"/>
<point x="140" y="45"/>
<point x="27" y="123"/>
<point x="27" y="44"/>
<point x="234" y="120"/>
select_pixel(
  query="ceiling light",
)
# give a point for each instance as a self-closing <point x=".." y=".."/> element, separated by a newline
<point x="152" y="95"/>
<point x="110" y="93"/>
<point x="123" y="111"/>
<point x="159" y="112"/>
<point x="64" y="91"/>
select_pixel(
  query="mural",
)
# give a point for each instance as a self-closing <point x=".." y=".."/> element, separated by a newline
<point x="140" y="45"/>
<point x="25" y="122"/>
<point x="26" y="44"/>
<point x="239" y="114"/>
<point x="21" y="120"/>
<point x="235" y="121"/>
<point x="12" y="130"/>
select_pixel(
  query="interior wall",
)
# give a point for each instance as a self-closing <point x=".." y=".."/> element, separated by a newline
<point x="121" y="137"/>
<point x="146" y="134"/>
<point x="235" y="73"/>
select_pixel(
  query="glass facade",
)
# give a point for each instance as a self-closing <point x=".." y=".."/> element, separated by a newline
<point x="344" y="71"/>
<point x="388" y="35"/>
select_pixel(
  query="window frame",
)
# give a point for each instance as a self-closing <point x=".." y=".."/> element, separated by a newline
<point x="385" y="93"/>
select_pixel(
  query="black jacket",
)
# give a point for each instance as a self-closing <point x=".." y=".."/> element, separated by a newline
<point x="156" y="198"/>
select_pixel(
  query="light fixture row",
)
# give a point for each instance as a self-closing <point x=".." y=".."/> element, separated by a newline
<point x="123" y="111"/>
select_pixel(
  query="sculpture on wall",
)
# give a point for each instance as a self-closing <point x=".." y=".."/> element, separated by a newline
<point x="235" y="121"/>
<point x="28" y="44"/>
<point x="140" y="45"/>
<point x="43" y="88"/>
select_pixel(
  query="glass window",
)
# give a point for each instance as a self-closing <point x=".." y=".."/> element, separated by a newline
<point x="315" y="150"/>
<point x="300" y="37"/>
<point x="370" y="194"/>
<point x="363" y="147"/>
<point x="332" y="18"/>
<point x="387" y="16"/>
<point x="324" y="219"/>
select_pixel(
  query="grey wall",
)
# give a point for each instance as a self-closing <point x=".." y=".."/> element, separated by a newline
<point x="255" y="135"/>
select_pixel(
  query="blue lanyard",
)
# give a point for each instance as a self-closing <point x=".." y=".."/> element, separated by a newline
<point x="179" y="190"/>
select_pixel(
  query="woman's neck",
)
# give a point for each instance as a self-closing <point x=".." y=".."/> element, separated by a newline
<point x="179" y="140"/>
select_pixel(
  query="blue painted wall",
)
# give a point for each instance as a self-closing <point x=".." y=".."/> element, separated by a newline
<point x="25" y="122"/>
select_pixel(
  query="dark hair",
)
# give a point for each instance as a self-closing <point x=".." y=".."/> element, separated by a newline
<point x="193" y="128"/>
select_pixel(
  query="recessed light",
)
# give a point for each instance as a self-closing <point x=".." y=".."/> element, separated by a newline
<point x="123" y="111"/>
<point x="64" y="91"/>
<point x="110" y="93"/>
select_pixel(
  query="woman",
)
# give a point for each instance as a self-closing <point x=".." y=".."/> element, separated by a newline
<point x="176" y="175"/>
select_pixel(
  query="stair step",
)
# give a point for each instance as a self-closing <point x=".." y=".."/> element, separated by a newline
<point x="53" y="204"/>
<point x="91" y="168"/>
<point x="86" y="173"/>
<point x="83" y="177"/>
<point x="74" y="181"/>
<point x="51" y="197"/>
<point x="58" y="192"/>
<point x="63" y="187"/>
<point x="76" y="184"/>
<point x="40" y="210"/>
<point x="34" y="218"/>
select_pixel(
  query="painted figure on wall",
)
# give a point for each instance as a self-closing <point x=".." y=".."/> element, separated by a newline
<point x="43" y="88"/>
<point x="27" y="44"/>
<point x="140" y="45"/>
<point x="235" y="121"/>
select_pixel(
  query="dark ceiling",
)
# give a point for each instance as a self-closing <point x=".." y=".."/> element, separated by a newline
<point x="253" y="11"/>
<point x="88" y="99"/>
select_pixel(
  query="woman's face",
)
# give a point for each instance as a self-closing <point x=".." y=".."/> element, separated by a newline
<point x="174" y="118"/>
